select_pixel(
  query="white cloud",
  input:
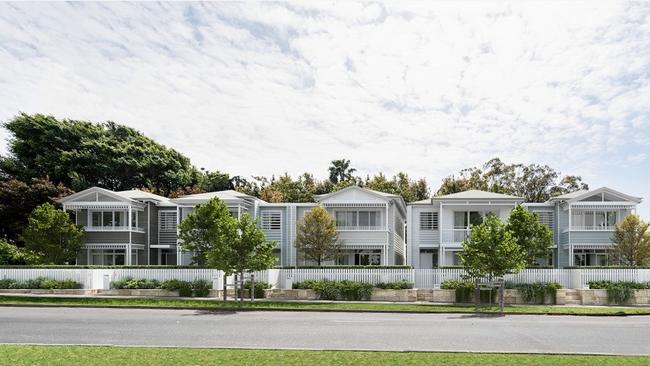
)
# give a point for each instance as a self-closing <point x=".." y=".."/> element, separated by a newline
<point x="264" y="88"/>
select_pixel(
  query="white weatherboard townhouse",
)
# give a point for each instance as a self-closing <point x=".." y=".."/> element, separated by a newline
<point x="582" y="223"/>
<point x="136" y="227"/>
<point x="370" y="225"/>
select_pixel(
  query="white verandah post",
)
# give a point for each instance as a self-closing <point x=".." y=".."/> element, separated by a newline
<point x="127" y="256"/>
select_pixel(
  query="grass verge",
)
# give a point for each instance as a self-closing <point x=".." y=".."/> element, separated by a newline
<point x="304" y="306"/>
<point x="19" y="355"/>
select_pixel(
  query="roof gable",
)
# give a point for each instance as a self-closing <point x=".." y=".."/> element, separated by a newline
<point x="602" y="194"/>
<point x="95" y="194"/>
<point x="475" y="194"/>
<point x="354" y="194"/>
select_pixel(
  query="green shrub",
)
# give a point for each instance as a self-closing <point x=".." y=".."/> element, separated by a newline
<point x="43" y="283"/>
<point x="260" y="286"/>
<point x="535" y="293"/>
<point x="465" y="292"/>
<point x="201" y="288"/>
<point x="618" y="292"/>
<point x="332" y="290"/>
<point x="184" y="288"/>
<point x="130" y="283"/>
<point x="399" y="285"/>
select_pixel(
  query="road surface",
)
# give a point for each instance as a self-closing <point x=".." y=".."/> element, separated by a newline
<point x="311" y="330"/>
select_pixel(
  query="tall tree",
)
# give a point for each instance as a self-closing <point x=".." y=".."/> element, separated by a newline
<point x="535" y="238"/>
<point x="52" y="236"/>
<point x="18" y="199"/>
<point x="340" y="171"/>
<point x="631" y="242"/>
<point x="317" y="238"/>
<point x="209" y="228"/>
<point x="534" y="182"/>
<point x="250" y="251"/>
<point x="81" y="154"/>
<point x="491" y="251"/>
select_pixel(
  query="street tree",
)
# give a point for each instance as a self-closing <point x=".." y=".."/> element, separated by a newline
<point x="535" y="238"/>
<point x="491" y="252"/>
<point x="317" y="238"/>
<point x="631" y="242"/>
<point x="52" y="236"/>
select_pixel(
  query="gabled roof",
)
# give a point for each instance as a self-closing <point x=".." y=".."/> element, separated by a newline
<point x="421" y="202"/>
<point x="580" y="195"/>
<point x="137" y="194"/>
<point x="229" y="195"/>
<point x="383" y="195"/>
<point x="104" y="191"/>
<point x="475" y="194"/>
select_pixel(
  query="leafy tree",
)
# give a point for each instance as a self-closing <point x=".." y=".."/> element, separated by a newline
<point x="81" y="154"/>
<point x="215" y="181"/>
<point x="401" y="185"/>
<point x="530" y="234"/>
<point x="317" y="237"/>
<point x="631" y="242"/>
<point x="18" y="199"/>
<point x="250" y="251"/>
<point x="491" y="251"/>
<point x="534" y="182"/>
<point x="52" y="236"/>
<point x="12" y="255"/>
<point x="340" y="171"/>
<point x="206" y="232"/>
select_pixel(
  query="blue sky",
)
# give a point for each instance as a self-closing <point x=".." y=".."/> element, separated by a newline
<point x="423" y="87"/>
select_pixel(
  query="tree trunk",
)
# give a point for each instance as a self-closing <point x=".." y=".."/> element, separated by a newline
<point x="241" y="286"/>
<point x="477" y="294"/>
<point x="225" y="287"/>
<point x="501" y="297"/>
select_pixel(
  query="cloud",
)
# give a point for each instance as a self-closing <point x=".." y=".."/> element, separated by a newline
<point x="428" y="88"/>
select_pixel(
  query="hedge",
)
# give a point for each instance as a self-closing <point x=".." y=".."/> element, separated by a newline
<point x="42" y="283"/>
<point x="197" y="288"/>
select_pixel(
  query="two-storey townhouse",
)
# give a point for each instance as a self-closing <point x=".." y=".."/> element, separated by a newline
<point x="438" y="225"/>
<point x="121" y="227"/>
<point x="585" y="222"/>
<point x="582" y="223"/>
<point x="370" y="224"/>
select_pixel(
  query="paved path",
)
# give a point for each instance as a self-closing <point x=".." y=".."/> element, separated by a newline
<point x="309" y="330"/>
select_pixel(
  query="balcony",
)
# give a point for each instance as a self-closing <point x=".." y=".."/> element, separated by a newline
<point x="360" y="228"/>
<point x="113" y="228"/>
<point x="591" y="228"/>
<point x="454" y="235"/>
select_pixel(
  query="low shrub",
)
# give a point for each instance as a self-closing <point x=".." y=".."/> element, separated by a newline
<point x="399" y="285"/>
<point x="343" y="290"/>
<point x="43" y="283"/>
<point x="201" y="288"/>
<point x="259" y="289"/>
<point x="618" y="292"/>
<point x="184" y="288"/>
<point x="135" y="283"/>
<point x="465" y="292"/>
<point x="535" y="293"/>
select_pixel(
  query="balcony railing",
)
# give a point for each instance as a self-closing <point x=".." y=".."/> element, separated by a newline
<point x="113" y="228"/>
<point x="593" y="228"/>
<point x="360" y="228"/>
<point x="454" y="235"/>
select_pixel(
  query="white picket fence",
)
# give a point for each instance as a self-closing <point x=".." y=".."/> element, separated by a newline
<point x="284" y="278"/>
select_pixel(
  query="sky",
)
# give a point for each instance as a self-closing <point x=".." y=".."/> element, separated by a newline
<point x="427" y="88"/>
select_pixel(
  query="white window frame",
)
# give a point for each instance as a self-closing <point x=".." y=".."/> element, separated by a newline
<point x="271" y="220"/>
<point x="430" y="223"/>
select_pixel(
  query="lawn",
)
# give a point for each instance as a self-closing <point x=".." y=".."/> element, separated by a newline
<point x="89" y="355"/>
<point x="314" y="306"/>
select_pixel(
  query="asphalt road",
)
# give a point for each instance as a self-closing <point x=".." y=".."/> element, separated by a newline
<point x="309" y="330"/>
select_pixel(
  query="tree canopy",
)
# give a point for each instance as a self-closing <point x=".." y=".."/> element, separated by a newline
<point x="81" y="154"/>
<point x="530" y="234"/>
<point x="631" y="242"/>
<point x="534" y="182"/>
<point x="316" y="236"/>
<point x="52" y="236"/>
<point x="18" y="199"/>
